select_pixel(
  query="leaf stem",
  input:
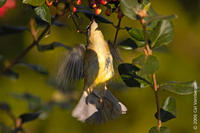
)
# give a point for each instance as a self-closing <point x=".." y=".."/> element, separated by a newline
<point x="155" y="87"/>
<point x="116" y="33"/>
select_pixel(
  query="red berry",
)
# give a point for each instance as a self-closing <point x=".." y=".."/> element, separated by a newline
<point x="74" y="9"/>
<point x="78" y="2"/>
<point x="94" y="5"/>
<point x="104" y="2"/>
<point x="98" y="11"/>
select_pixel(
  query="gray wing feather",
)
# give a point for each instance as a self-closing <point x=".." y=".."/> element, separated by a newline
<point x="71" y="69"/>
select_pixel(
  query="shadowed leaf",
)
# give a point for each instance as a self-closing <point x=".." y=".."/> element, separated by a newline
<point x="168" y="110"/>
<point x="11" y="74"/>
<point x="38" y="68"/>
<point x="52" y="45"/>
<point x="9" y="29"/>
<point x="128" y="44"/>
<point x="129" y="76"/>
<point x="27" y="117"/>
<point x="180" y="88"/>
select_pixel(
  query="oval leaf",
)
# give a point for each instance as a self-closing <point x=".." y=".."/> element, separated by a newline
<point x="180" y="88"/>
<point x="44" y="13"/>
<point x="130" y="8"/>
<point x="148" y="64"/>
<point x="168" y="110"/>
<point x="162" y="130"/>
<point x="34" y="2"/>
<point x="162" y="34"/>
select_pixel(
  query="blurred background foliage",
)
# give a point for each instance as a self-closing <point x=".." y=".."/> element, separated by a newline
<point x="180" y="62"/>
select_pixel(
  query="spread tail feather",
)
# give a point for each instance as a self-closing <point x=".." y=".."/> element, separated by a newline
<point x="90" y="109"/>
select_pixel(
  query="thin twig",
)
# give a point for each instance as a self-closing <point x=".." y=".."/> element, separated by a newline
<point x="155" y="87"/>
<point x="116" y="33"/>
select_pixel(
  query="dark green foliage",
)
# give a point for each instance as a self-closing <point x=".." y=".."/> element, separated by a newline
<point x="129" y="76"/>
<point x="27" y="117"/>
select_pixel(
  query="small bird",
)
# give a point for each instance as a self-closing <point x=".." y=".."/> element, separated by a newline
<point x="94" y="63"/>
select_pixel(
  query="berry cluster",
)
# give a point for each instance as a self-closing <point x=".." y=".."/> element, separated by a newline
<point x="96" y="5"/>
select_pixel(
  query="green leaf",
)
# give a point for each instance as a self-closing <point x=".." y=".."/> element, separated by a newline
<point x="180" y="88"/>
<point x="168" y="110"/>
<point x="148" y="64"/>
<point x="130" y="8"/>
<point x="162" y="130"/>
<point x="44" y="13"/>
<point x="38" y="68"/>
<point x="137" y="34"/>
<point x="34" y="2"/>
<point x="129" y="76"/>
<point x="162" y="34"/>
<point x="2" y="2"/>
<point x="170" y="105"/>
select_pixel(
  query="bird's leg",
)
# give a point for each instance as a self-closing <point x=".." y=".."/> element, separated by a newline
<point x="105" y="89"/>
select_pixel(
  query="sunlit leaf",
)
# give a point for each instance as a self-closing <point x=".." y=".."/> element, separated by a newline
<point x="34" y="2"/>
<point x="91" y="14"/>
<point x="130" y="8"/>
<point x="180" y="88"/>
<point x="162" y="34"/>
<point x="2" y="2"/>
<point x="38" y="68"/>
<point x="168" y="110"/>
<point x="148" y="64"/>
<point x="44" y="13"/>
<point x="156" y="130"/>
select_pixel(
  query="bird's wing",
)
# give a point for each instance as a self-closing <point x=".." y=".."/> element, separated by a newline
<point x="71" y="69"/>
<point x="91" y="68"/>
